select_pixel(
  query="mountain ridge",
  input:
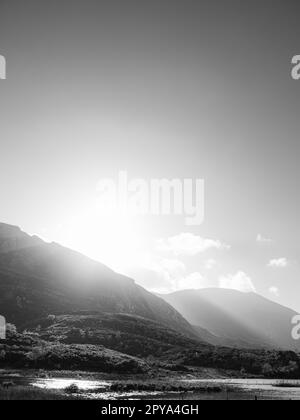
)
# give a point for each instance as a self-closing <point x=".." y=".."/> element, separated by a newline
<point x="39" y="278"/>
<point x="237" y="319"/>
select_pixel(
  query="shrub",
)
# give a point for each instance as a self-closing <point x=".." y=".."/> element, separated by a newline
<point x="72" y="389"/>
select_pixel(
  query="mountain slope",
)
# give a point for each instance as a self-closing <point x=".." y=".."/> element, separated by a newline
<point x="125" y="333"/>
<point x="13" y="239"/>
<point x="38" y="279"/>
<point x="236" y="319"/>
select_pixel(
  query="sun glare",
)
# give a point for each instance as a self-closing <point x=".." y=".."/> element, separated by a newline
<point x="108" y="236"/>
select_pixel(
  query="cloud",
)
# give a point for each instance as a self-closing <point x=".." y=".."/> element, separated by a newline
<point x="274" y="291"/>
<point x="160" y="275"/>
<point x="187" y="244"/>
<point x="278" y="263"/>
<point x="193" y="281"/>
<point x="171" y="267"/>
<point x="261" y="239"/>
<point x="167" y="269"/>
<point x="239" y="281"/>
<point x="210" y="264"/>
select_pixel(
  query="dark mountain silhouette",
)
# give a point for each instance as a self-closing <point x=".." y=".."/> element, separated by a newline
<point x="38" y="279"/>
<point x="232" y="318"/>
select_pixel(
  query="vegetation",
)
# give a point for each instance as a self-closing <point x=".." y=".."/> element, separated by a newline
<point x="26" y="393"/>
<point x="126" y="344"/>
<point x="269" y="364"/>
<point x="163" y="387"/>
<point x="128" y="334"/>
<point x="26" y="351"/>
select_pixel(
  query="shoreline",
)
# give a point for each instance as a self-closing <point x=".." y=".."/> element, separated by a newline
<point x="74" y="385"/>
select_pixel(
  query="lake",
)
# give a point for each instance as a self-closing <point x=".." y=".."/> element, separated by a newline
<point x="232" y="389"/>
<point x="237" y="389"/>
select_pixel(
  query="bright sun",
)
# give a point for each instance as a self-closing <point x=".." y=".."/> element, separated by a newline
<point x="105" y="235"/>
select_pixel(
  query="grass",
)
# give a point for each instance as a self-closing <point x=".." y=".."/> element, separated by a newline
<point x="159" y="386"/>
<point x="26" y="393"/>
<point x="286" y="385"/>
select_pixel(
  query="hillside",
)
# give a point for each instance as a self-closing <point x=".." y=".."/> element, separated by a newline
<point x="128" y="334"/>
<point x="38" y="279"/>
<point x="29" y="351"/>
<point x="244" y="320"/>
<point x="120" y="344"/>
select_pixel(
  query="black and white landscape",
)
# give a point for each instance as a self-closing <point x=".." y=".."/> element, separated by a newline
<point x="149" y="205"/>
<point x="68" y="313"/>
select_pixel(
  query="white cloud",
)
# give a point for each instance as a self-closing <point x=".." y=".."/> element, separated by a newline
<point x="187" y="244"/>
<point x="162" y="275"/>
<point x="210" y="264"/>
<point x="168" y="269"/>
<point x="261" y="239"/>
<point x="158" y="275"/>
<point x="193" y="281"/>
<point x="239" y="281"/>
<point x="278" y="263"/>
<point x="172" y="267"/>
<point x="274" y="291"/>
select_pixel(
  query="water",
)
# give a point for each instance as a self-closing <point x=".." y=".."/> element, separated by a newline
<point x="261" y="388"/>
<point x="61" y="384"/>
<point x="233" y="389"/>
<point x="237" y="389"/>
<point x="87" y="388"/>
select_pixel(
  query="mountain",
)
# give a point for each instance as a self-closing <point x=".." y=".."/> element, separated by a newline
<point x="130" y="334"/>
<point x="75" y="313"/>
<point x="235" y="319"/>
<point x="38" y="279"/>
<point x="13" y="239"/>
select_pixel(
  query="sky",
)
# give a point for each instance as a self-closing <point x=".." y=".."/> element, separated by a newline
<point x="174" y="89"/>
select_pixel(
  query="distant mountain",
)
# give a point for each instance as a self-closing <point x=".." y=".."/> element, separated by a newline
<point x="38" y="279"/>
<point x="235" y="319"/>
